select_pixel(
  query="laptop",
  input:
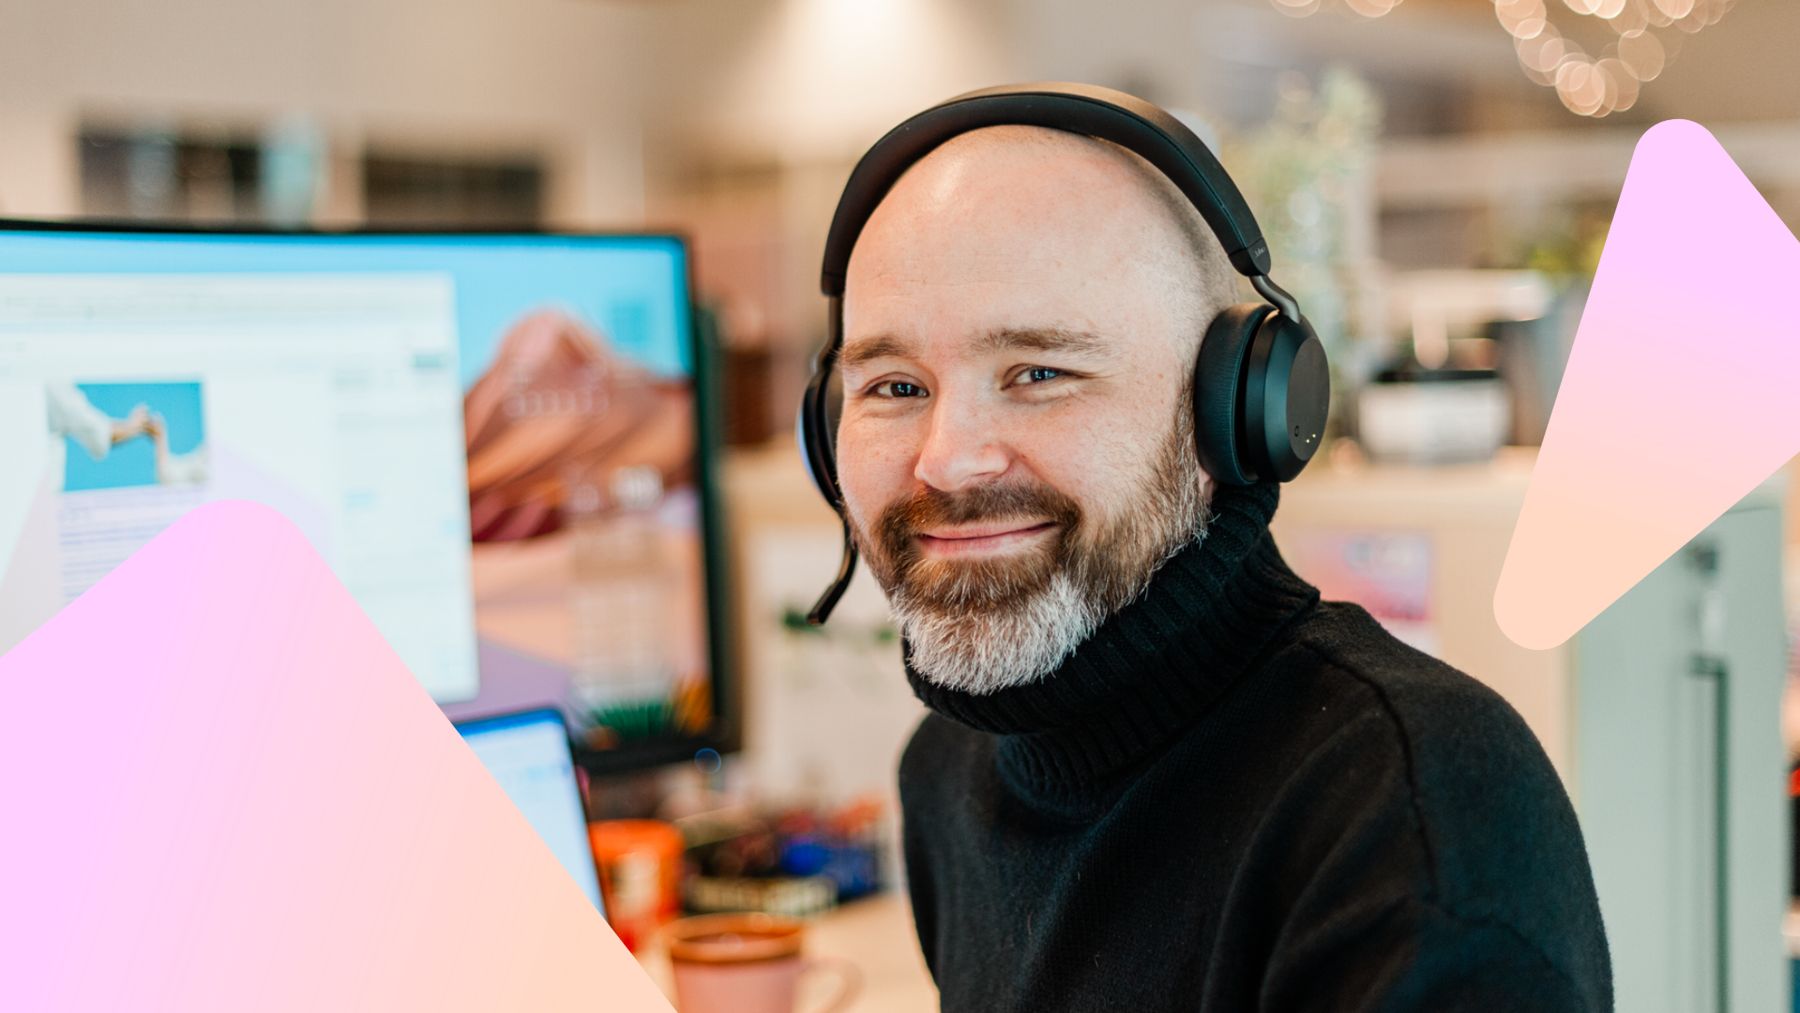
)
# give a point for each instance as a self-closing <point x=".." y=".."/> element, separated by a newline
<point x="528" y="753"/>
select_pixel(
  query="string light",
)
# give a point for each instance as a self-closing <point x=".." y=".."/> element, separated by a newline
<point x="1625" y="83"/>
<point x="1631" y="18"/>
<point x="1642" y="56"/>
<point x="1612" y="83"/>
<point x="1586" y="85"/>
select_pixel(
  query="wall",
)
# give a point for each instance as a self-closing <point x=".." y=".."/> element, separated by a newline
<point x="469" y="76"/>
<point x="807" y="81"/>
<point x="759" y="110"/>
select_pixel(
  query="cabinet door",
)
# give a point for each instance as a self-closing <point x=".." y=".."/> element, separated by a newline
<point x="1680" y="766"/>
<point x="1751" y="640"/>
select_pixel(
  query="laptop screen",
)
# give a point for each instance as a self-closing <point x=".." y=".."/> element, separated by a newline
<point x="528" y="754"/>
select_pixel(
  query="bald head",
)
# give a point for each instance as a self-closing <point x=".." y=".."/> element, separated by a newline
<point x="1033" y="196"/>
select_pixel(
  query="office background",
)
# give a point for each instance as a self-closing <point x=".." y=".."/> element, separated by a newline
<point x="1436" y="177"/>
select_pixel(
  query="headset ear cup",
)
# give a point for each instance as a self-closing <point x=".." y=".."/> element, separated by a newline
<point x="813" y="433"/>
<point x="816" y="430"/>
<point x="1287" y="388"/>
<point x="1219" y="392"/>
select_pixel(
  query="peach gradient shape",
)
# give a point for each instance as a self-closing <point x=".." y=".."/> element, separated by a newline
<point x="222" y="790"/>
<point x="1680" y="393"/>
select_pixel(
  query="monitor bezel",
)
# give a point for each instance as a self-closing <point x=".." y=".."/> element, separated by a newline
<point x="725" y="735"/>
<point x="502" y="720"/>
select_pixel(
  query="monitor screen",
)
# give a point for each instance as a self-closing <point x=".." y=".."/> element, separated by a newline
<point x="529" y="755"/>
<point x="493" y="439"/>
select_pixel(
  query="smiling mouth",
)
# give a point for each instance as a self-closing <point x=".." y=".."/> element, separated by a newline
<point x="976" y="541"/>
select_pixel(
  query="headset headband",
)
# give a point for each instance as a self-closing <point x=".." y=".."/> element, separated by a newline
<point x="1129" y="122"/>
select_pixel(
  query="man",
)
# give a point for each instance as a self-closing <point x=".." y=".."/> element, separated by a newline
<point x="1159" y="772"/>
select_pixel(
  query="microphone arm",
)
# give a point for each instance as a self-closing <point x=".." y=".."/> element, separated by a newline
<point x="821" y="610"/>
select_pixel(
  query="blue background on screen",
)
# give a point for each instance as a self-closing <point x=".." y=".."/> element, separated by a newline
<point x="631" y="288"/>
<point x="133" y="462"/>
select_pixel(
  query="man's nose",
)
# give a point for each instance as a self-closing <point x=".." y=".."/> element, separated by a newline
<point x="962" y="448"/>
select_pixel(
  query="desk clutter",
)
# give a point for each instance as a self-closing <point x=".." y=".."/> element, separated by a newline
<point x="794" y="861"/>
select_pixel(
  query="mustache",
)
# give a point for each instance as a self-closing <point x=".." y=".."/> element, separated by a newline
<point x="930" y="507"/>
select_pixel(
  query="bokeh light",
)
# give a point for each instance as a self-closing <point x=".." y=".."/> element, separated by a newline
<point x="1642" y="54"/>
<point x="1623" y="84"/>
<point x="1580" y="86"/>
<point x="1631" y="18"/>
<point x="1542" y="53"/>
<point x="1585" y="85"/>
<point x="1614" y="82"/>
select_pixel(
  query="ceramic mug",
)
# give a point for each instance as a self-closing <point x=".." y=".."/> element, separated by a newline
<point x="747" y="963"/>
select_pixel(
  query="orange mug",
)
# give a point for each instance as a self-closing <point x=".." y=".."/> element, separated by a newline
<point x="747" y="963"/>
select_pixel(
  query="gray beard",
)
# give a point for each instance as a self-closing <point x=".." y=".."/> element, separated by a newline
<point x="1016" y="639"/>
<point x="985" y="650"/>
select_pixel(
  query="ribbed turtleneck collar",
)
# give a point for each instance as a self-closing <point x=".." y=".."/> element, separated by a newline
<point x="1152" y="668"/>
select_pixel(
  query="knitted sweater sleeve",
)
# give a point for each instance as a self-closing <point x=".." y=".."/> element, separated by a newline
<point x="1439" y="869"/>
<point x="1411" y="956"/>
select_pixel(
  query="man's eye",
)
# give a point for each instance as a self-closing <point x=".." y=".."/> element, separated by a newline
<point x="1039" y="374"/>
<point x="897" y="389"/>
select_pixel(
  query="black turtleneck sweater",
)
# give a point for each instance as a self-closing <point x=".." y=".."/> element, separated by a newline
<point x="1235" y="796"/>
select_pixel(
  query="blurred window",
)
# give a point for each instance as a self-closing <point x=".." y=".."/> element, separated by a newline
<point x="162" y="175"/>
<point x="415" y="191"/>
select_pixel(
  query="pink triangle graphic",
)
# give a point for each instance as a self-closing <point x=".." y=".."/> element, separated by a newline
<point x="1682" y="392"/>
<point x="223" y="791"/>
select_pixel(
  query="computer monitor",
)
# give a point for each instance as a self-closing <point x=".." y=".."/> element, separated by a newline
<point x="501" y="443"/>
<point x="528" y="753"/>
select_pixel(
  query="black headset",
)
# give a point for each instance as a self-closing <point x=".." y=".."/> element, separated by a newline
<point x="1261" y="384"/>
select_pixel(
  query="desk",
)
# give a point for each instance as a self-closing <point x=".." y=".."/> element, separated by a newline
<point x="876" y="934"/>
